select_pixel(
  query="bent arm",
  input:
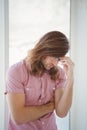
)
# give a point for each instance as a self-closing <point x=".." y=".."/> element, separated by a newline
<point x="21" y="113"/>
<point x="63" y="96"/>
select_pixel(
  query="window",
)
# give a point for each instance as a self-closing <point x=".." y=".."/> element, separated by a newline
<point x="28" y="20"/>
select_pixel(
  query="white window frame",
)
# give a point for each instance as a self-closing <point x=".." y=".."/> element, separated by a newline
<point x="4" y="32"/>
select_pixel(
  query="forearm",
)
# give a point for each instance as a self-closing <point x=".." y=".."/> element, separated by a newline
<point x="64" y="104"/>
<point x="31" y="113"/>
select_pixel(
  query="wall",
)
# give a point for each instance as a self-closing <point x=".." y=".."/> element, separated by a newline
<point x="79" y="55"/>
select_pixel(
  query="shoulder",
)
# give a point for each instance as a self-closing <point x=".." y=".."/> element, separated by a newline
<point x="17" y="70"/>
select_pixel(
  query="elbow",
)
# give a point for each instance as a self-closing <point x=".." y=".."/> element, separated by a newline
<point x="17" y="119"/>
<point x="61" y="114"/>
<point x="18" y="122"/>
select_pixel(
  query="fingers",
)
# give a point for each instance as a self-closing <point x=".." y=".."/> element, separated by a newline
<point x="68" y="66"/>
<point x="67" y="61"/>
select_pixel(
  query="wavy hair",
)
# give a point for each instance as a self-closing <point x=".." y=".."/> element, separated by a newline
<point x="54" y="44"/>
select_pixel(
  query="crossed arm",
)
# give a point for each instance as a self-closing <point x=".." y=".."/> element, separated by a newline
<point x="21" y="113"/>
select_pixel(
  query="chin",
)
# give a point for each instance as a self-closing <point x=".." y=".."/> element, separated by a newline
<point x="49" y="68"/>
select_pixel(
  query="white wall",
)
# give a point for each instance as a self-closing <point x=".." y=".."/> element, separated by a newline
<point x="79" y="55"/>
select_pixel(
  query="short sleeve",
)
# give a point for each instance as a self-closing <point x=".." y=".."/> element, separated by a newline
<point x="61" y="82"/>
<point x="14" y="79"/>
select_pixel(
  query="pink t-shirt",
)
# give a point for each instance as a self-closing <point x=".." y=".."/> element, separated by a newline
<point x="37" y="91"/>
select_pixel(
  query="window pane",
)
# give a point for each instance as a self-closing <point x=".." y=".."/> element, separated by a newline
<point x="28" y="21"/>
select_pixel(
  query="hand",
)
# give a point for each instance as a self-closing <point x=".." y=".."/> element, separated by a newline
<point x="68" y="66"/>
<point x="51" y="104"/>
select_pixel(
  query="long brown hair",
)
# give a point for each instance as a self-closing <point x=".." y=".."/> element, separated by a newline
<point x="53" y="44"/>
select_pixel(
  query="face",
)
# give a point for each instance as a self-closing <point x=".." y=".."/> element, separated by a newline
<point x="49" y="62"/>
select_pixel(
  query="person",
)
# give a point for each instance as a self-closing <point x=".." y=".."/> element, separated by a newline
<point x="41" y="85"/>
